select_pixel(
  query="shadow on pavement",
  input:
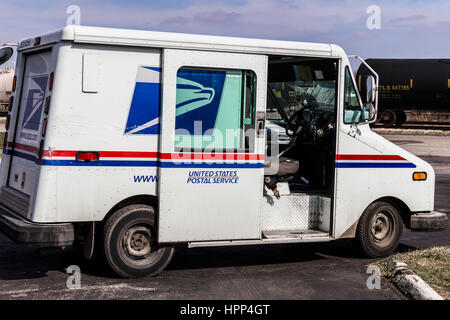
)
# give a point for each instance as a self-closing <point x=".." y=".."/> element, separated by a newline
<point x="18" y="262"/>
<point x="216" y="257"/>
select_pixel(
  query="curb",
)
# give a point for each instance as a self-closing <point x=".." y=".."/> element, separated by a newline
<point x="409" y="283"/>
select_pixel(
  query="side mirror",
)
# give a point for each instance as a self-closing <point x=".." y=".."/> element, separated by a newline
<point x="5" y="54"/>
<point x="368" y="112"/>
<point x="371" y="90"/>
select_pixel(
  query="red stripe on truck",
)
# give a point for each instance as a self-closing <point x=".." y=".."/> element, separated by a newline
<point x="23" y="147"/>
<point x="164" y="156"/>
<point x="369" y="157"/>
<point x="144" y="154"/>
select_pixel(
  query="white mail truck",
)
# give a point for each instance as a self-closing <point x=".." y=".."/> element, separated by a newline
<point x="129" y="142"/>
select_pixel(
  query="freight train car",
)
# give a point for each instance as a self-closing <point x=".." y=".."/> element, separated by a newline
<point x="6" y="78"/>
<point x="6" y="81"/>
<point x="414" y="90"/>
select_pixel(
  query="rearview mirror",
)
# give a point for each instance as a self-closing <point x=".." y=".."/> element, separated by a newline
<point x="5" y="54"/>
<point x="371" y="89"/>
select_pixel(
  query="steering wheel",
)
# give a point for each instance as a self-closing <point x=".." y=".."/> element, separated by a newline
<point x="298" y="121"/>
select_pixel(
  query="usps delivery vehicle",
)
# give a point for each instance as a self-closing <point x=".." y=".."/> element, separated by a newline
<point x="132" y="141"/>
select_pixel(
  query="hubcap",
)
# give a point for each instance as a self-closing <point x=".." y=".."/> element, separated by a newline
<point x="136" y="241"/>
<point x="381" y="226"/>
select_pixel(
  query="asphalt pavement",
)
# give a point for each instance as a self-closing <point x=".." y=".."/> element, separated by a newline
<point x="296" y="271"/>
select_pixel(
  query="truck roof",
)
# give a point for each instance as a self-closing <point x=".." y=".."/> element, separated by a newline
<point x="142" y="38"/>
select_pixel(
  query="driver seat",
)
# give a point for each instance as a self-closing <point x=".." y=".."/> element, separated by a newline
<point x="280" y="166"/>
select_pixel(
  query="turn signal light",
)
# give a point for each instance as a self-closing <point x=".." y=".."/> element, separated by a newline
<point x="47" y="105"/>
<point x="50" y="84"/>
<point x="44" y="127"/>
<point x="14" y="83"/>
<point x="87" y="156"/>
<point x="419" y="176"/>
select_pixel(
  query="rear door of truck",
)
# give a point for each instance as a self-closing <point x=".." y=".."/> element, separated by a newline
<point x="24" y="146"/>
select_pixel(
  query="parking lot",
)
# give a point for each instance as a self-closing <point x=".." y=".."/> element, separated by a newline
<point x="298" y="271"/>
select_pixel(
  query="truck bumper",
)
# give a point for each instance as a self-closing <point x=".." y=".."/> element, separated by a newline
<point x="23" y="231"/>
<point x="430" y="221"/>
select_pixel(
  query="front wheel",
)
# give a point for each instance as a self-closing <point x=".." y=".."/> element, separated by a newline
<point x="129" y="243"/>
<point x="379" y="229"/>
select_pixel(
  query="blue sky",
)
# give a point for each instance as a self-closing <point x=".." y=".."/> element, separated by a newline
<point x="409" y="29"/>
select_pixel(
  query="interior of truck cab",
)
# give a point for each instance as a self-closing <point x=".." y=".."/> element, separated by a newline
<point x="301" y="137"/>
<point x="301" y="111"/>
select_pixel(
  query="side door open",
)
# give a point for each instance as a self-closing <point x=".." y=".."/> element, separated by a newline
<point x="212" y="144"/>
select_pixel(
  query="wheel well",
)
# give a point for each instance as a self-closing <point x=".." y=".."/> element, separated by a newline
<point x="139" y="199"/>
<point x="97" y="231"/>
<point x="401" y="206"/>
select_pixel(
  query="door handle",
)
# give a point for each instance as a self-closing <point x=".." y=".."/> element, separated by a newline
<point x="260" y="123"/>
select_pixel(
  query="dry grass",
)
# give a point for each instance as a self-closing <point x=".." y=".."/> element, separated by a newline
<point x="432" y="265"/>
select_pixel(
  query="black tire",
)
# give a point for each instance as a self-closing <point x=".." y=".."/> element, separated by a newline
<point x="129" y="243"/>
<point x="379" y="229"/>
<point x="388" y="118"/>
<point x="401" y="118"/>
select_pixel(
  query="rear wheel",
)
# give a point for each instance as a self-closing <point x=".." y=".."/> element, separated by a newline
<point x="129" y="243"/>
<point x="379" y="229"/>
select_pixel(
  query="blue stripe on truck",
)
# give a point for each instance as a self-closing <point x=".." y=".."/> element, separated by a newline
<point x="131" y="163"/>
<point x="375" y="165"/>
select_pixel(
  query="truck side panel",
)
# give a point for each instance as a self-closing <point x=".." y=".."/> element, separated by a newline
<point x="83" y="120"/>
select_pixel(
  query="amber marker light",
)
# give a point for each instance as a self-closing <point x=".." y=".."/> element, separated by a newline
<point x="419" y="176"/>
